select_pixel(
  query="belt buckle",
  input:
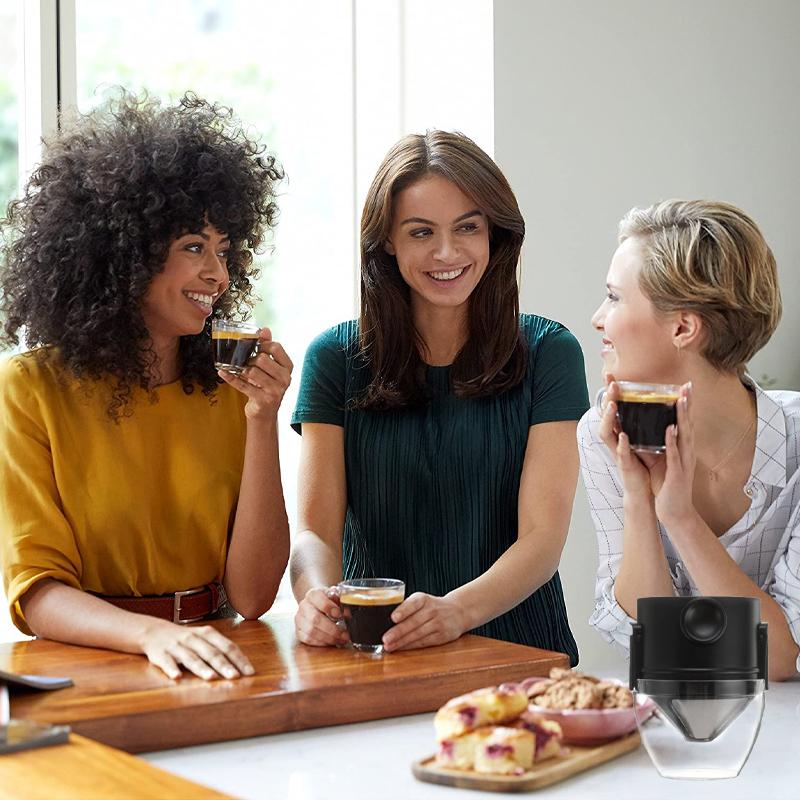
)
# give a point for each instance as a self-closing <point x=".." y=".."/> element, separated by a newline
<point x="176" y="609"/>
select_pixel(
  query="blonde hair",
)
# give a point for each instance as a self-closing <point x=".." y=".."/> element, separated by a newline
<point x="709" y="258"/>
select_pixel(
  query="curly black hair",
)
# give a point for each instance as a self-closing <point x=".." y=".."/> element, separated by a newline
<point x="95" y="222"/>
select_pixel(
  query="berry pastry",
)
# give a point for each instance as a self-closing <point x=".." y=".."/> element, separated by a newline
<point x="459" y="753"/>
<point x="488" y="706"/>
<point x="506" y="751"/>
<point x="547" y="735"/>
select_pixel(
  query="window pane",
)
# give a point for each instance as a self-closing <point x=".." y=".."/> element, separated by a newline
<point x="9" y="111"/>
<point x="286" y="70"/>
<point x="9" y="114"/>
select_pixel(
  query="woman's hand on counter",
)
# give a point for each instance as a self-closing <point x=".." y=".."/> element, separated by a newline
<point x="201" y="650"/>
<point x="424" y="620"/>
<point x="317" y="621"/>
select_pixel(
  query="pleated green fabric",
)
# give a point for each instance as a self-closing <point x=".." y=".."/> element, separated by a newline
<point x="432" y="492"/>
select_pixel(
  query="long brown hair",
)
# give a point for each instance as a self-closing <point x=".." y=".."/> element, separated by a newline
<point x="494" y="357"/>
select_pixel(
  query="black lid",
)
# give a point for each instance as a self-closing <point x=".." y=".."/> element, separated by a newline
<point x="698" y="638"/>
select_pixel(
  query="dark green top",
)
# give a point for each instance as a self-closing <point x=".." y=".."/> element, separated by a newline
<point x="432" y="492"/>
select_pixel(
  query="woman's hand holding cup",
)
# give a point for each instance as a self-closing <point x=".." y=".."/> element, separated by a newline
<point x="264" y="380"/>
<point x="319" y="620"/>
<point x="635" y="473"/>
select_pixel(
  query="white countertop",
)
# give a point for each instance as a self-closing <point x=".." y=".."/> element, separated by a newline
<point x="373" y="760"/>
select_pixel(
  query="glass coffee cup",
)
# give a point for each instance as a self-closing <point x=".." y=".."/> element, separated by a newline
<point x="367" y="605"/>
<point x="234" y="344"/>
<point x="644" y="412"/>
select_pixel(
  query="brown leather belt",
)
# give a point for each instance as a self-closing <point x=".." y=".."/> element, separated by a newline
<point x="190" y="605"/>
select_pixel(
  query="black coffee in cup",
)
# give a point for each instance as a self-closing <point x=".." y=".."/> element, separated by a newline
<point x="233" y="349"/>
<point x="645" y="411"/>
<point x="367" y="613"/>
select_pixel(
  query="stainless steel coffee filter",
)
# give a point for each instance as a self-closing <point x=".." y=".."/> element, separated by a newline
<point x="703" y="663"/>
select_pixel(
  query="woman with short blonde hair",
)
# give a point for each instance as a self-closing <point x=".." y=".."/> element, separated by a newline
<point x="692" y="295"/>
<point x="710" y="258"/>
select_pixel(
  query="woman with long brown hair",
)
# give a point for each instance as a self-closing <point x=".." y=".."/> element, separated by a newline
<point x="438" y="428"/>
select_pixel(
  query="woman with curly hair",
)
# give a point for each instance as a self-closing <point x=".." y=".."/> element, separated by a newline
<point x="138" y="485"/>
<point x="431" y="426"/>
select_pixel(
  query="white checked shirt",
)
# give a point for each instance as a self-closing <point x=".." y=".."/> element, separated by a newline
<point x="765" y="542"/>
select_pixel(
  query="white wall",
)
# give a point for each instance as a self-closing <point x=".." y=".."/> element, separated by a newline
<point x="600" y="106"/>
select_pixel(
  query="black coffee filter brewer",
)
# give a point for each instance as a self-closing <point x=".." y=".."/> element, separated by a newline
<point x="703" y="662"/>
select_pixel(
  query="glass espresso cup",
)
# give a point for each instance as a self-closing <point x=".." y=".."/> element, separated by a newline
<point x="367" y="605"/>
<point x="644" y="412"/>
<point x="234" y="344"/>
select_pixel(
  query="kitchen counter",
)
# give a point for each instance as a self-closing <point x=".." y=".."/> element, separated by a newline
<point x="122" y="701"/>
<point x="373" y="759"/>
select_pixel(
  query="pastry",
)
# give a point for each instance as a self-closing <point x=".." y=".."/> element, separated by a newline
<point x="459" y="753"/>
<point x="547" y="734"/>
<point x="488" y="706"/>
<point x="506" y="751"/>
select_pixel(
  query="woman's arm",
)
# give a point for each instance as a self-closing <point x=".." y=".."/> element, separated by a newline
<point x="716" y="573"/>
<point x="56" y="611"/>
<point x="259" y="548"/>
<point x="711" y="567"/>
<point x="643" y="570"/>
<point x="316" y="561"/>
<point x="546" y="494"/>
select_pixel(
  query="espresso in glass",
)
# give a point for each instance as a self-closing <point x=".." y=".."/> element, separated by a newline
<point x="645" y="411"/>
<point x="233" y="343"/>
<point x="367" y="605"/>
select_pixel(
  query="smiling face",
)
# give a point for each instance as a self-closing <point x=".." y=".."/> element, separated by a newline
<point x="638" y="343"/>
<point x="180" y="297"/>
<point x="441" y="241"/>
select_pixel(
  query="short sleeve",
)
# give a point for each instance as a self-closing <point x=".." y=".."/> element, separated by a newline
<point x="559" y="379"/>
<point x="37" y="540"/>
<point x="321" y="397"/>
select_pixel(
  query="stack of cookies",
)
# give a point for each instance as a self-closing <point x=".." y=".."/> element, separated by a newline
<point x="492" y="731"/>
<point x="566" y="689"/>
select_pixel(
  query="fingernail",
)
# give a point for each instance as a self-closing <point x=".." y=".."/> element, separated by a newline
<point x="248" y="670"/>
<point x="230" y="673"/>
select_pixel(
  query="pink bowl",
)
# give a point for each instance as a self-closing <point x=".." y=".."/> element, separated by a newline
<point x="591" y="726"/>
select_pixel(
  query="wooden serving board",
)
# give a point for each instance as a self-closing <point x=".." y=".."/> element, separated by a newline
<point x="85" y="770"/>
<point x="543" y="774"/>
<point x="123" y="701"/>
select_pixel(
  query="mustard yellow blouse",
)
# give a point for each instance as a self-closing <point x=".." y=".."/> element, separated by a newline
<point x="135" y="507"/>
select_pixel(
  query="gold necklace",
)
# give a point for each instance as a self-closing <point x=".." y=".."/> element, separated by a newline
<point x="712" y="471"/>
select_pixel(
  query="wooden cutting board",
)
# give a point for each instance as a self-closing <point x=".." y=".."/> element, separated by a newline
<point x="85" y="770"/>
<point x="543" y="774"/>
<point x="121" y="700"/>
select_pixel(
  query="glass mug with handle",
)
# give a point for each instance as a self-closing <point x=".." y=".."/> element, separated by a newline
<point x="367" y="605"/>
<point x="234" y="344"/>
<point x="644" y="412"/>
